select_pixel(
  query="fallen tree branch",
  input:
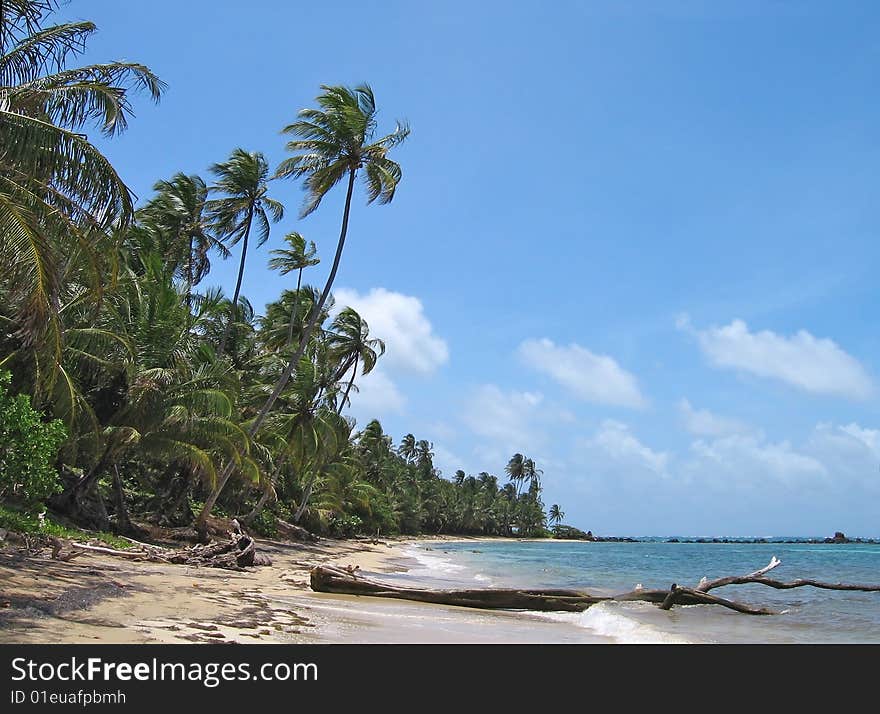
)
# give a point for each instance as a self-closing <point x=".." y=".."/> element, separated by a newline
<point x="236" y="553"/>
<point x="347" y="581"/>
<point x="707" y="585"/>
<point x="757" y="577"/>
<point x="328" y="579"/>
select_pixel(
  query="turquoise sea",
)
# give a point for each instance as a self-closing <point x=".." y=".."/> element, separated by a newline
<point x="808" y="615"/>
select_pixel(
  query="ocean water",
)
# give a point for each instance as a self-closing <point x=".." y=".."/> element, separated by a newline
<point x="808" y="615"/>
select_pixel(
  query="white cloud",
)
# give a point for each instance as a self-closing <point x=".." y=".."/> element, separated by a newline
<point x="869" y="437"/>
<point x="813" y="364"/>
<point x="377" y="396"/>
<point x="617" y="441"/>
<point x="447" y="461"/>
<point x="735" y="461"/>
<point x="507" y="418"/>
<point x="702" y="422"/>
<point x="399" y="320"/>
<point x="590" y="377"/>
<point x="851" y="454"/>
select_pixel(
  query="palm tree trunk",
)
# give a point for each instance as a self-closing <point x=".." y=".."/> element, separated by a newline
<point x="268" y="492"/>
<point x="348" y="388"/>
<point x="189" y="275"/>
<point x="305" y="501"/>
<point x="294" y="314"/>
<point x="244" y="249"/>
<point x="201" y="521"/>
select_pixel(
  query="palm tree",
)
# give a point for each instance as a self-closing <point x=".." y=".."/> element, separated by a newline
<point x="515" y="470"/>
<point x="425" y="455"/>
<point x="161" y="397"/>
<point x="243" y="181"/>
<point x="531" y="474"/>
<point x="407" y="448"/>
<point x="556" y="514"/>
<point x="333" y="142"/>
<point x="350" y="344"/>
<point x="57" y="191"/>
<point x="298" y="257"/>
<point x="178" y="213"/>
<point x="489" y="482"/>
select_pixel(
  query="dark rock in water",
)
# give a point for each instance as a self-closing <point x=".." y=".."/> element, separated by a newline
<point x="673" y="540"/>
<point x="571" y="533"/>
<point x="838" y="538"/>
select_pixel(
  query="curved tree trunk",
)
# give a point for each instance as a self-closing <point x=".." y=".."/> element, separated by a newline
<point x="268" y="492"/>
<point x="190" y="278"/>
<point x="223" y="478"/>
<point x="244" y="250"/>
<point x="305" y="500"/>
<point x="348" y="388"/>
<point x="295" y="312"/>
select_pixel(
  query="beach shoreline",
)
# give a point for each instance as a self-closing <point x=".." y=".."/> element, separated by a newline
<point x="104" y="599"/>
<point x="100" y="598"/>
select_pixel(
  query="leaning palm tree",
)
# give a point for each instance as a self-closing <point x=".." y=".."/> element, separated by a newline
<point x="350" y="344"/>
<point x="243" y="182"/>
<point x="333" y="142"/>
<point x="556" y="514"/>
<point x="57" y="191"/>
<point x="298" y="257"/>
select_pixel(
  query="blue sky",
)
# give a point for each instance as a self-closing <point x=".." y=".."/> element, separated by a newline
<point x="635" y="241"/>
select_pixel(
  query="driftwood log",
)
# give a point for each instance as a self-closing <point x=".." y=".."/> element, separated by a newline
<point x="237" y="552"/>
<point x="347" y="581"/>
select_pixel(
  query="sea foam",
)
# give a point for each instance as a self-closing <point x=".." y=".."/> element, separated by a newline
<point x="619" y="622"/>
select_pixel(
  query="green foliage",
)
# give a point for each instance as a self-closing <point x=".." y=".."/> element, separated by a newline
<point x="28" y="449"/>
<point x="569" y="533"/>
<point x="265" y="524"/>
<point x="29" y="524"/>
<point x="167" y="389"/>
<point x="345" y="526"/>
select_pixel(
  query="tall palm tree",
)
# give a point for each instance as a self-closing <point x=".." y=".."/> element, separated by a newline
<point x="556" y="514"/>
<point x="57" y="191"/>
<point x="243" y="181"/>
<point x="298" y="257"/>
<point x="332" y="142"/>
<point x="351" y="345"/>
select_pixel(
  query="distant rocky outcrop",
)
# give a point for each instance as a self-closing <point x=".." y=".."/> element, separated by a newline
<point x="571" y="533"/>
<point x="838" y="538"/>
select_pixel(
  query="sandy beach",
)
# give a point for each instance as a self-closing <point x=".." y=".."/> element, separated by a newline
<point x="104" y="599"/>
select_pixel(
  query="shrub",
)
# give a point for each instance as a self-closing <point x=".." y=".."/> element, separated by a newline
<point x="28" y="449"/>
<point x="345" y="526"/>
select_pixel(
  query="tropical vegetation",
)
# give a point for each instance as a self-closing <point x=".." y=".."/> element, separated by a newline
<point x="132" y="392"/>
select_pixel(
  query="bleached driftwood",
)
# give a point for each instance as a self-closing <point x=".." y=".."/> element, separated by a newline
<point x="235" y="553"/>
<point x="347" y="581"/>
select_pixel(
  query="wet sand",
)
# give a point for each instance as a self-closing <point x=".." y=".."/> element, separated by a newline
<point x="104" y="599"/>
